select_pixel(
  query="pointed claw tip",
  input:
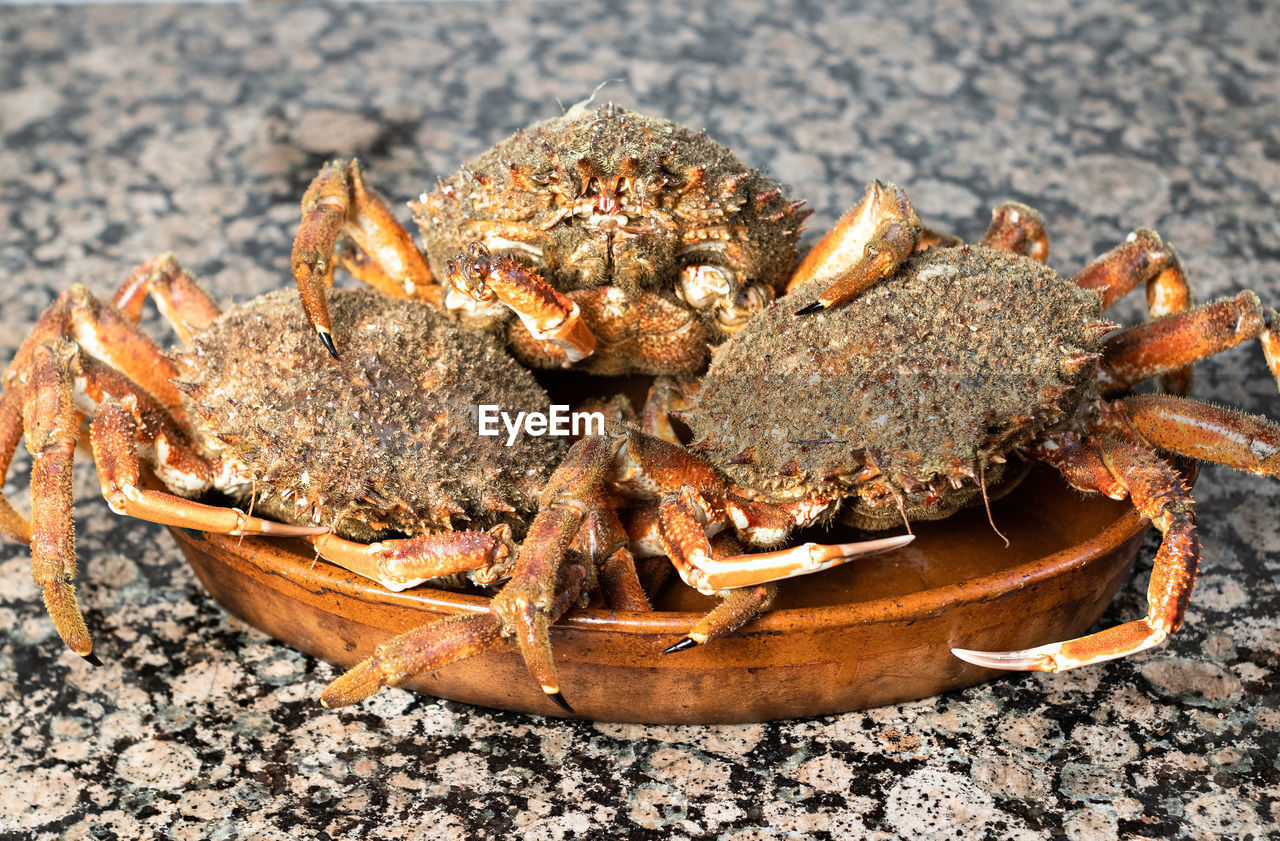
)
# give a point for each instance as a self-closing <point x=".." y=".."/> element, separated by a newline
<point x="92" y="659"/>
<point x="1006" y="660"/>
<point x="683" y="645"/>
<point x="327" y="340"/>
<point x="974" y="658"/>
<point x="808" y="309"/>
<point x="559" y="700"/>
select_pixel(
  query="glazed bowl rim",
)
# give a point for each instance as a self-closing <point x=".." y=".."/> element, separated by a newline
<point x="984" y="587"/>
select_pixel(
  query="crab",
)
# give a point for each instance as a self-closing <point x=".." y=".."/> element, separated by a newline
<point x="377" y="458"/>
<point x="926" y="374"/>
<point x="373" y="459"/>
<point x="605" y="240"/>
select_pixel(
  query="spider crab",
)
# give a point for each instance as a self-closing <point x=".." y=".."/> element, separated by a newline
<point x="603" y="239"/>
<point x="373" y="459"/>
<point x="926" y="374"/>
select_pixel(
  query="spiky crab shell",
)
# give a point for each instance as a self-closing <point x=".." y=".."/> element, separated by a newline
<point x="613" y="197"/>
<point x="383" y="440"/>
<point x="918" y="386"/>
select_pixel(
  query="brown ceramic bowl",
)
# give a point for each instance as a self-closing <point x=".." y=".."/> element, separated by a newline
<point x="872" y="632"/>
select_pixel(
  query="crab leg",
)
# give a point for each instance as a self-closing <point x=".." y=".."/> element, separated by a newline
<point x="602" y="536"/>
<point x="621" y="583"/>
<point x="1157" y="491"/>
<point x="1170" y="343"/>
<point x="1143" y="258"/>
<point x="106" y="335"/>
<point x="694" y="503"/>
<point x="116" y="434"/>
<point x="737" y="608"/>
<point x="1018" y="229"/>
<point x="644" y="467"/>
<point x="180" y="300"/>
<point x="407" y="562"/>
<point x="49" y="419"/>
<point x="869" y="242"/>
<point x="667" y="396"/>
<point x="338" y="202"/>
<point x="525" y="604"/>
<point x="12" y="523"/>
<point x="544" y="312"/>
<point x="431" y="646"/>
<point x="684" y="520"/>
<point x="1197" y="430"/>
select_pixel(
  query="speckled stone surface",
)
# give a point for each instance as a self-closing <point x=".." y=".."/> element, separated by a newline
<point x="130" y="131"/>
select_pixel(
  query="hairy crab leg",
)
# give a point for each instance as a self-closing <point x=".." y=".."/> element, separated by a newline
<point x="1196" y="430"/>
<point x="104" y="334"/>
<point x="694" y="502"/>
<point x="57" y="375"/>
<point x="544" y="312"/>
<point x="1019" y="229"/>
<point x="867" y="244"/>
<point x="737" y="608"/>
<point x="435" y="645"/>
<point x="116" y="434"/>
<point x="1157" y="491"/>
<point x="51" y="426"/>
<point x="402" y="563"/>
<point x="178" y="298"/>
<point x="525" y="603"/>
<point x="338" y="202"/>
<point x="620" y="581"/>
<point x="1175" y="341"/>
<point x="12" y="523"/>
<point x="667" y="396"/>
<point x="643" y="466"/>
<point x="602" y="537"/>
<point x="1143" y="259"/>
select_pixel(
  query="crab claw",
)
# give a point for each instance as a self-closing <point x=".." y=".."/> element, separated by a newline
<point x="1039" y="659"/>
<point x="757" y="568"/>
<point x="868" y="243"/>
<point x="1110" y="644"/>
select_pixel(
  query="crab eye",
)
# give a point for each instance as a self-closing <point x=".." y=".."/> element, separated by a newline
<point x="731" y="315"/>
<point x="702" y="285"/>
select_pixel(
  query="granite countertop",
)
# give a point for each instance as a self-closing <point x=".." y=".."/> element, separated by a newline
<point x="129" y="131"/>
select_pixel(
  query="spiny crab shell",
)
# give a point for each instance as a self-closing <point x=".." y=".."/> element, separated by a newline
<point x="914" y="391"/>
<point x="610" y="197"/>
<point x="381" y="441"/>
